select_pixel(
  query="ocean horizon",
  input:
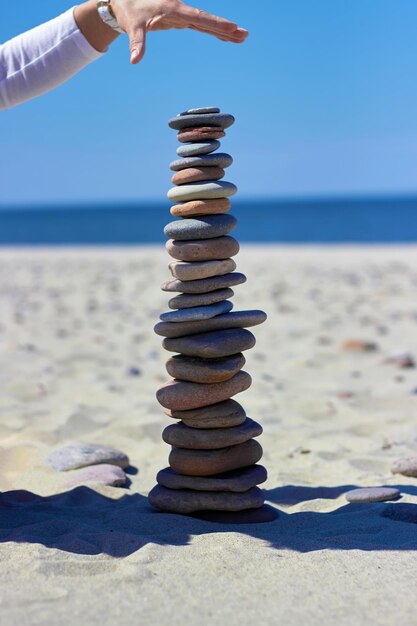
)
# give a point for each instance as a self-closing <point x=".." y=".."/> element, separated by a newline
<point x="290" y="221"/>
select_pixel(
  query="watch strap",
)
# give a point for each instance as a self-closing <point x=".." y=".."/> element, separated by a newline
<point x="107" y="15"/>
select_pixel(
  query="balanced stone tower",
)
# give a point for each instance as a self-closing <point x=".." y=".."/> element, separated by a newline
<point x="214" y="456"/>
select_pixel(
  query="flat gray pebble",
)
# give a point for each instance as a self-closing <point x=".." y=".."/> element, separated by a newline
<point x="197" y="148"/>
<point x="372" y="494"/>
<point x="201" y="110"/>
<point x="193" y="120"/>
<point x="220" y="159"/>
<point x="197" y="313"/>
<point x="204" y="227"/>
<point x="83" y="455"/>
<point x="238" y="319"/>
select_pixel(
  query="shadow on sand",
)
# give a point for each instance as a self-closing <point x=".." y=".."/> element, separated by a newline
<point x="83" y="521"/>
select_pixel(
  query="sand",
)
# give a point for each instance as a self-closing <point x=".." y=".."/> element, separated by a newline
<point x="73" y="324"/>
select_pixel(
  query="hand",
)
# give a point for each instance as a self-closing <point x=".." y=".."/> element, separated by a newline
<point x="137" y="17"/>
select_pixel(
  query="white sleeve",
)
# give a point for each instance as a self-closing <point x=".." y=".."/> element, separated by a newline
<point x="42" y="58"/>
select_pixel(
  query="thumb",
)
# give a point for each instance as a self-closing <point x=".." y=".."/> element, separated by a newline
<point x="137" y="43"/>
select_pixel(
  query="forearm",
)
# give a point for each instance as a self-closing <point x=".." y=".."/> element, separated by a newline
<point x="46" y="56"/>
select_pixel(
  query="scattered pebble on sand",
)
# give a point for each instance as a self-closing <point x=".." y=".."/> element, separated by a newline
<point x="103" y="474"/>
<point x="406" y="467"/>
<point x="401" y="359"/>
<point x="82" y="455"/>
<point x="359" y="345"/>
<point x="373" y="494"/>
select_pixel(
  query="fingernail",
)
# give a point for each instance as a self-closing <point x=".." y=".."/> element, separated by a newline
<point x="133" y="55"/>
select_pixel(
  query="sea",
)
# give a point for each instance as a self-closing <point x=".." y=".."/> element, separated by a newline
<point x="301" y="221"/>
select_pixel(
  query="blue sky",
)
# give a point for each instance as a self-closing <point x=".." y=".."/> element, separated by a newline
<point x="324" y="93"/>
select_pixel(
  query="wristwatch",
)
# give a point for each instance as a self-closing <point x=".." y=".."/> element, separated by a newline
<point x="105" y="12"/>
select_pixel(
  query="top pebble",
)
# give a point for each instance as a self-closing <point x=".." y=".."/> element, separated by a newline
<point x="201" y="111"/>
<point x="223" y="120"/>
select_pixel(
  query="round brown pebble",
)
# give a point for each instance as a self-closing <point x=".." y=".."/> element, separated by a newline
<point x="181" y="395"/>
<point x="203" y="269"/>
<point x="181" y="436"/>
<point x="372" y="494"/>
<point x="201" y="133"/>
<point x="198" y="370"/>
<point x="210" y="462"/>
<point x="238" y="480"/>
<point x="195" y="174"/>
<point x="203" y="249"/>
<point x="406" y="467"/>
<point x="189" y="501"/>
<point x="221" y="415"/>
<point x="193" y="208"/>
<point x="186" y="300"/>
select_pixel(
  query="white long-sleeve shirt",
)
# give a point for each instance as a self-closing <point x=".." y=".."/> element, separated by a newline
<point x="42" y="58"/>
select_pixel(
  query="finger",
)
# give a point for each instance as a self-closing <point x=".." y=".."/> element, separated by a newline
<point x="207" y="21"/>
<point x="137" y="44"/>
<point x="232" y="38"/>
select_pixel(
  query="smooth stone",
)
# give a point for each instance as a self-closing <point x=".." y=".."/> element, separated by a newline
<point x="104" y="474"/>
<point x="221" y="415"/>
<point x="210" y="462"/>
<point x="238" y="480"/>
<point x="204" y="227"/>
<point x="182" y="396"/>
<point x="196" y="174"/>
<point x="203" y="269"/>
<point x="184" y="502"/>
<point x="372" y="494"/>
<point x="200" y="134"/>
<point x="202" y="191"/>
<point x="84" y="454"/>
<point x="203" y="249"/>
<point x="197" y="370"/>
<point x="181" y="436"/>
<point x="406" y="467"/>
<point x="195" y="149"/>
<point x="222" y="120"/>
<point x="212" y="345"/>
<point x="201" y="110"/>
<point x="359" y="345"/>
<point x="238" y="319"/>
<point x="218" y="422"/>
<point x="220" y="159"/>
<point x="197" y="313"/>
<point x="204" y="285"/>
<point x="195" y="208"/>
<point x="186" y="301"/>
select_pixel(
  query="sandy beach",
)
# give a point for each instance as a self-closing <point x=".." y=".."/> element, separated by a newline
<point x="80" y="363"/>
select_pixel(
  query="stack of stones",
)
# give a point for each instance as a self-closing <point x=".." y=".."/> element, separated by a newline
<point x="213" y="461"/>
